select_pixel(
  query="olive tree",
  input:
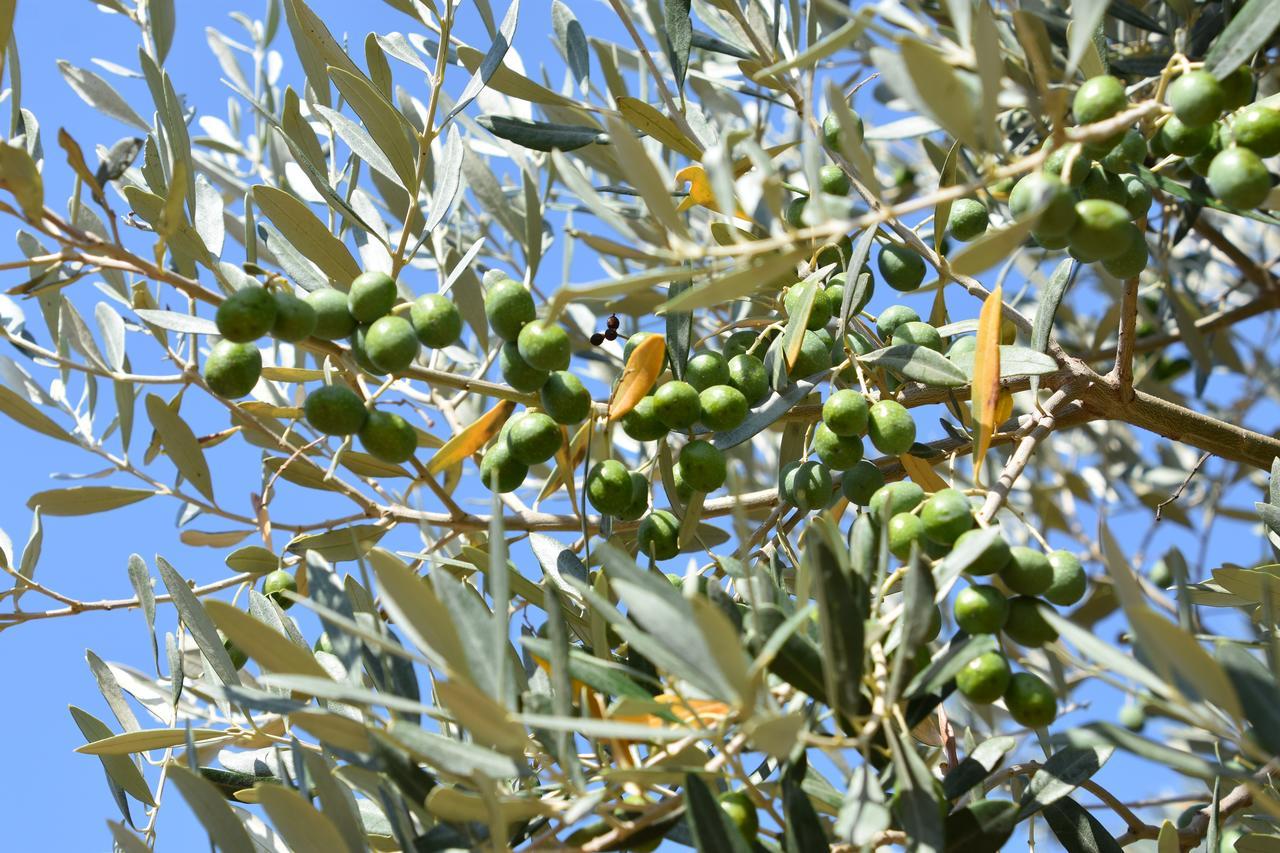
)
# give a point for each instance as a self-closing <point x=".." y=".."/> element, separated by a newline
<point x="713" y="434"/>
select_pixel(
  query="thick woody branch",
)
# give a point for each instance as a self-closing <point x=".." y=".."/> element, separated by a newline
<point x="1179" y="423"/>
<point x="1122" y="373"/>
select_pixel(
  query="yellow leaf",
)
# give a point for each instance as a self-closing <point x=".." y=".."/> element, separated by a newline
<point x="472" y="438"/>
<point x="986" y="377"/>
<point x="641" y="372"/>
<point x="700" y="191"/>
<point x="922" y="473"/>
<point x="652" y="122"/>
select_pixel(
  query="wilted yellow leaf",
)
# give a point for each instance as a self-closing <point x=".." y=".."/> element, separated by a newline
<point x="639" y="375"/>
<point x="922" y="473"/>
<point x="652" y="122"/>
<point x="472" y="438"/>
<point x="700" y="191"/>
<point x="986" y="377"/>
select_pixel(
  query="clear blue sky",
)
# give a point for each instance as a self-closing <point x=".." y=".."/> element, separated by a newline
<point x="62" y="804"/>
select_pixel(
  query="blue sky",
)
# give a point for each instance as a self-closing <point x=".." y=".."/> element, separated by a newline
<point x="43" y="663"/>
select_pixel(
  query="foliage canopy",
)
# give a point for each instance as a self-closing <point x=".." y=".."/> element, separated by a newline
<point x="808" y="233"/>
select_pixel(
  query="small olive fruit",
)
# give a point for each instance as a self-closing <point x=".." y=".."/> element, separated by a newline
<point x="1239" y="178"/>
<point x="565" y="398"/>
<point x="891" y="427"/>
<point x="919" y="334"/>
<point x="609" y="487"/>
<point x="748" y="375"/>
<point x="1183" y="139"/>
<point x="1137" y="196"/>
<point x="819" y="310"/>
<point x="1238" y="88"/>
<point x="361" y="354"/>
<point x="962" y="347"/>
<point x="893" y="317"/>
<point x="501" y="471"/>
<point x="295" y="318"/>
<point x="1196" y="98"/>
<point x="372" y="295"/>
<point x="391" y="344"/>
<point x="1030" y="701"/>
<point x="968" y="220"/>
<point x="1133" y="260"/>
<point x="905" y="530"/>
<point x="642" y="422"/>
<point x="1069" y="580"/>
<point x="237" y="654"/>
<point x="980" y="609"/>
<point x="805" y="485"/>
<point x="517" y="372"/>
<point x="533" y="438"/>
<point x="861" y="481"/>
<point x="837" y="452"/>
<point x="232" y="369"/>
<point x="677" y="405"/>
<point x="703" y="465"/>
<point x="389" y="437"/>
<point x="1132" y="717"/>
<point x="833" y="180"/>
<point x="1045" y="197"/>
<point x="902" y="269"/>
<point x="706" y="369"/>
<point x="845" y="413"/>
<point x="946" y="515"/>
<point x="985" y="678"/>
<point x="508" y="306"/>
<point x="436" y="320"/>
<point x="1104" y="185"/>
<point x="993" y="557"/>
<point x="335" y="410"/>
<point x="1099" y="98"/>
<point x="738" y="343"/>
<point x="833" y="134"/>
<point x="545" y="346"/>
<point x="742" y="813"/>
<point x="1100" y="228"/>
<point x="723" y="407"/>
<point x="1026" y="624"/>
<point x="333" y="318"/>
<point x="246" y="315"/>
<point x="1028" y="571"/>
<point x="1132" y="148"/>
<point x="1069" y="165"/>
<point x="659" y="535"/>
<point x="1257" y="128"/>
<point x="894" y="498"/>
<point x="639" y="498"/>
<point x="276" y="583"/>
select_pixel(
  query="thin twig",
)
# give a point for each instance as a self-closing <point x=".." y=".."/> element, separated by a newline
<point x="1177" y="493"/>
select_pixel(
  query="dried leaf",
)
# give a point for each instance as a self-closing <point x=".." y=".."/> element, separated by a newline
<point x="472" y="438"/>
<point x="986" y="377"/>
<point x="641" y="371"/>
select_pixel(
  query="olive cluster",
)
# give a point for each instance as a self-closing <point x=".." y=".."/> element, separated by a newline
<point x="382" y="342"/>
<point x="901" y="267"/>
<point x="1008" y="588"/>
<point x="534" y="357"/>
<point x="1086" y="198"/>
